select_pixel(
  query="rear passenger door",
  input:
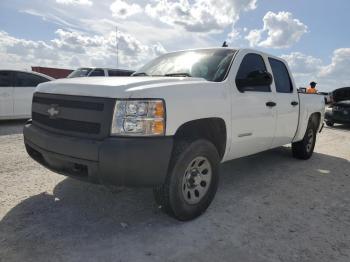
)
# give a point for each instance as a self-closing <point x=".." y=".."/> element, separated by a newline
<point x="25" y="84"/>
<point x="287" y="104"/>
<point x="6" y="94"/>
<point x="253" y="110"/>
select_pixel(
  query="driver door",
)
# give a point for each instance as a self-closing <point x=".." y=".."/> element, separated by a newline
<point x="253" y="107"/>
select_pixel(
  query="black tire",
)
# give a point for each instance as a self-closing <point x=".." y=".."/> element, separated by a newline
<point x="329" y="123"/>
<point x="304" y="148"/>
<point x="171" y="195"/>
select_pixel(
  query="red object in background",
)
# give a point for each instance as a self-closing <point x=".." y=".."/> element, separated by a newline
<point x="53" y="72"/>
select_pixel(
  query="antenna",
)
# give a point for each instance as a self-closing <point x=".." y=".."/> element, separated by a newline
<point x="117" y="44"/>
<point x="224" y="44"/>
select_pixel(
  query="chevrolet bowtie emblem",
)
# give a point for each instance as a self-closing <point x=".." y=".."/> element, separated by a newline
<point x="53" y="111"/>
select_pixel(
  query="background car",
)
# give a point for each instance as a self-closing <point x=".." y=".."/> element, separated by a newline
<point x="16" y="92"/>
<point x="339" y="111"/>
<point x="88" y="72"/>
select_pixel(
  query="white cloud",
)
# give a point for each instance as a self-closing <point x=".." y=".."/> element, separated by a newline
<point x="199" y="15"/>
<point x="48" y="17"/>
<point x="303" y="64"/>
<point x="254" y="37"/>
<point x="75" y="2"/>
<point x="158" y="49"/>
<point x="282" y="31"/>
<point x="99" y="21"/>
<point x="75" y="41"/>
<point x="72" y="49"/>
<point x="339" y="67"/>
<point x="26" y="49"/>
<point x="122" y="9"/>
<point x="307" y="68"/>
<point x="233" y="36"/>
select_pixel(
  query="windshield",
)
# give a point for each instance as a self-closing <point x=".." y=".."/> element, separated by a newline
<point x="210" y="64"/>
<point x="80" y="72"/>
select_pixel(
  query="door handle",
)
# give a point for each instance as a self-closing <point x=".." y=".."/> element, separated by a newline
<point x="294" y="103"/>
<point x="271" y="104"/>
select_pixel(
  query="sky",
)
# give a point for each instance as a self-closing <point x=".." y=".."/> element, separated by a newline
<point x="313" y="35"/>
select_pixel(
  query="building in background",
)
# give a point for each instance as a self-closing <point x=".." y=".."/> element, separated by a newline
<point x="53" y="72"/>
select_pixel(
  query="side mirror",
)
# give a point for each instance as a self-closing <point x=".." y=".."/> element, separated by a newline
<point x="254" y="79"/>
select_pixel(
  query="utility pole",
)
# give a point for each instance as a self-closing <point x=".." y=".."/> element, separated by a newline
<point x="117" y="44"/>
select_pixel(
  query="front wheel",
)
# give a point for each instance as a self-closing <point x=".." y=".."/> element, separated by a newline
<point x="192" y="180"/>
<point x="304" y="148"/>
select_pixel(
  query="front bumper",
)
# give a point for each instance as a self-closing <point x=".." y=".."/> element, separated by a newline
<point x="125" y="161"/>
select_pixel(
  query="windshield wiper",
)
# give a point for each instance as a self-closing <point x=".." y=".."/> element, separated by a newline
<point x="179" y="74"/>
<point x="140" y="74"/>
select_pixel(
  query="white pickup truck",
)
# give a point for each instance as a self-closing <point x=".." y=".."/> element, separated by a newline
<point x="170" y="124"/>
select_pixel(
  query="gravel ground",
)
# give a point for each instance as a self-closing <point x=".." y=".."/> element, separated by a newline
<point x="269" y="207"/>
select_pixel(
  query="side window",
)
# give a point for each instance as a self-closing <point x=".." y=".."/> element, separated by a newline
<point x="281" y="76"/>
<point x="112" y="72"/>
<point x="28" y="80"/>
<point x="252" y="74"/>
<point x="128" y="73"/>
<point x="6" y="78"/>
<point x="97" y="72"/>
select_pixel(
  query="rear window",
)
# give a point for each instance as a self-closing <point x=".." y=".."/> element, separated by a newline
<point x="28" y="80"/>
<point x="116" y="72"/>
<point x="6" y="78"/>
<point x="97" y="72"/>
<point x="281" y="76"/>
<point x="80" y="72"/>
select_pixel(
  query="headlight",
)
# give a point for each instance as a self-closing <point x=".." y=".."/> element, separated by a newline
<point x="138" y="118"/>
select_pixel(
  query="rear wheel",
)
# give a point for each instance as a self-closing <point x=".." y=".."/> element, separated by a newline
<point x="192" y="180"/>
<point x="304" y="148"/>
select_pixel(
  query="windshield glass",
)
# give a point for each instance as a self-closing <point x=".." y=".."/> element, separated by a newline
<point x="80" y="72"/>
<point x="210" y="64"/>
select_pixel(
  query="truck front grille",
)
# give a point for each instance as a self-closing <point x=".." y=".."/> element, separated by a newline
<point x="69" y="103"/>
<point x="67" y="125"/>
<point x="79" y="116"/>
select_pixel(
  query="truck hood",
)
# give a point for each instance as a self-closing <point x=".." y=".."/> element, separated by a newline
<point x="113" y="87"/>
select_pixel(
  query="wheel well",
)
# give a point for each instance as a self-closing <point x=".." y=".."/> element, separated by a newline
<point x="315" y="119"/>
<point x="212" y="129"/>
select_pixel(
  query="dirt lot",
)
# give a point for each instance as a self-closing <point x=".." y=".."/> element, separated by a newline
<point x="269" y="207"/>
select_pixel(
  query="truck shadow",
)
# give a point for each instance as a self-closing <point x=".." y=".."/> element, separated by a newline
<point x="11" y="127"/>
<point x="80" y="214"/>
